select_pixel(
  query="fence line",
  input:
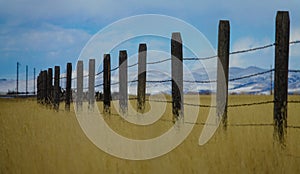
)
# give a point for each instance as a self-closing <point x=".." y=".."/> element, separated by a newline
<point x="201" y="81"/>
<point x="193" y="81"/>
<point x="210" y="57"/>
<point x="280" y="78"/>
<point x="199" y="58"/>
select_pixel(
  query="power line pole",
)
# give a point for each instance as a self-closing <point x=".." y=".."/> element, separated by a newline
<point x="26" y="79"/>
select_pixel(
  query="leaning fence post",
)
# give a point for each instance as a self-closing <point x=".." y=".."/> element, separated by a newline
<point x="49" y="86"/>
<point x="222" y="70"/>
<point x="56" y="87"/>
<point x="106" y="83"/>
<point x="281" y="72"/>
<point x="91" y="83"/>
<point x="68" y="86"/>
<point x="123" y="87"/>
<point x="79" y="95"/>
<point x="141" y="90"/>
<point x="177" y="76"/>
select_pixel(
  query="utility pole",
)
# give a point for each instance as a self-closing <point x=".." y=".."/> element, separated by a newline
<point x="18" y="64"/>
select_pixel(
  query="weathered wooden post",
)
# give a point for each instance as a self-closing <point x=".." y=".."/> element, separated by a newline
<point x="49" y="87"/>
<point x="91" y="83"/>
<point x="79" y="95"/>
<point x="68" y="86"/>
<point x="123" y="87"/>
<point x="40" y="87"/>
<point x="222" y="70"/>
<point x="56" y="87"/>
<point x="38" y="96"/>
<point x="34" y="81"/>
<point x="141" y="90"/>
<point x="281" y="73"/>
<point x="44" y="84"/>
<point x="106" y="84"/>
<point x="177" y="76"/>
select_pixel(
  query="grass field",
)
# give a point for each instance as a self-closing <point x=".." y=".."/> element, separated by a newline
<point x="35" y="139"/>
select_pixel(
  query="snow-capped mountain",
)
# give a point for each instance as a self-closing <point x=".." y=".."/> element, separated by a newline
<point x="260" y="84"/>
<point x="197" y="82"/>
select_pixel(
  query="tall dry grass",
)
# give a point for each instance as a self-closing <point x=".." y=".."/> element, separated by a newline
<point x="35" y="139"/>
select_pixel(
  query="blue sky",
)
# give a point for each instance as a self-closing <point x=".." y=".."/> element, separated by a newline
<point x="44" y="33"/>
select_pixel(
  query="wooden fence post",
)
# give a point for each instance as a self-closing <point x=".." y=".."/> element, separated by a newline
<point x="141" y="90"/>
<point x="123" y="86"/>
<point x="106" y="84"/>
<point x="44" y="88"/>
<point x="222" y="70"/>
<point x="56" y="87"/>
<point x="281" y="73"/>
<point x="41" y="87"/>
<point x="79" y="95"/>
<point x="38" y="96"/>
<point x="91" y="83"/>
<point x="49" y="87"/>
<point x="177" y="76"/>
<point x="68" y="86"/>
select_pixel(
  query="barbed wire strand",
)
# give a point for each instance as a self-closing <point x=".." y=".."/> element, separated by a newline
<point x="200" y="81"/>
<point x="251" y="75"/>
<point x="160" y="61"/>
<point x="200" y="58"/>
<point x="158" y="81"/>
<point x="130" y="66"/>
<point x="294" y="71"/>
<point x="204" y="58"/>
<point x="233" y="79"/>
<point x="252" y="49"/>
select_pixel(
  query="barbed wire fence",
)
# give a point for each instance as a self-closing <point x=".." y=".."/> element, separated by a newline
<point x="63" y="76"/>
<point x="107" y="82"/>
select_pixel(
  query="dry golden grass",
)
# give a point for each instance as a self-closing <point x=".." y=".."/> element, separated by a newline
<point x="35" y="139"/>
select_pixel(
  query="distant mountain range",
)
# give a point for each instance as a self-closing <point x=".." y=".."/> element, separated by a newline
<point x="260" y="84"/>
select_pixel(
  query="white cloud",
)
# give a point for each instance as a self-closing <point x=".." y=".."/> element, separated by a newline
<point x="18" y="31"/>
<point x="260" y="58"/>
<point x="295" y="36"/>
<point x="46" y="38"/>
<point x="41" y="47"/>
